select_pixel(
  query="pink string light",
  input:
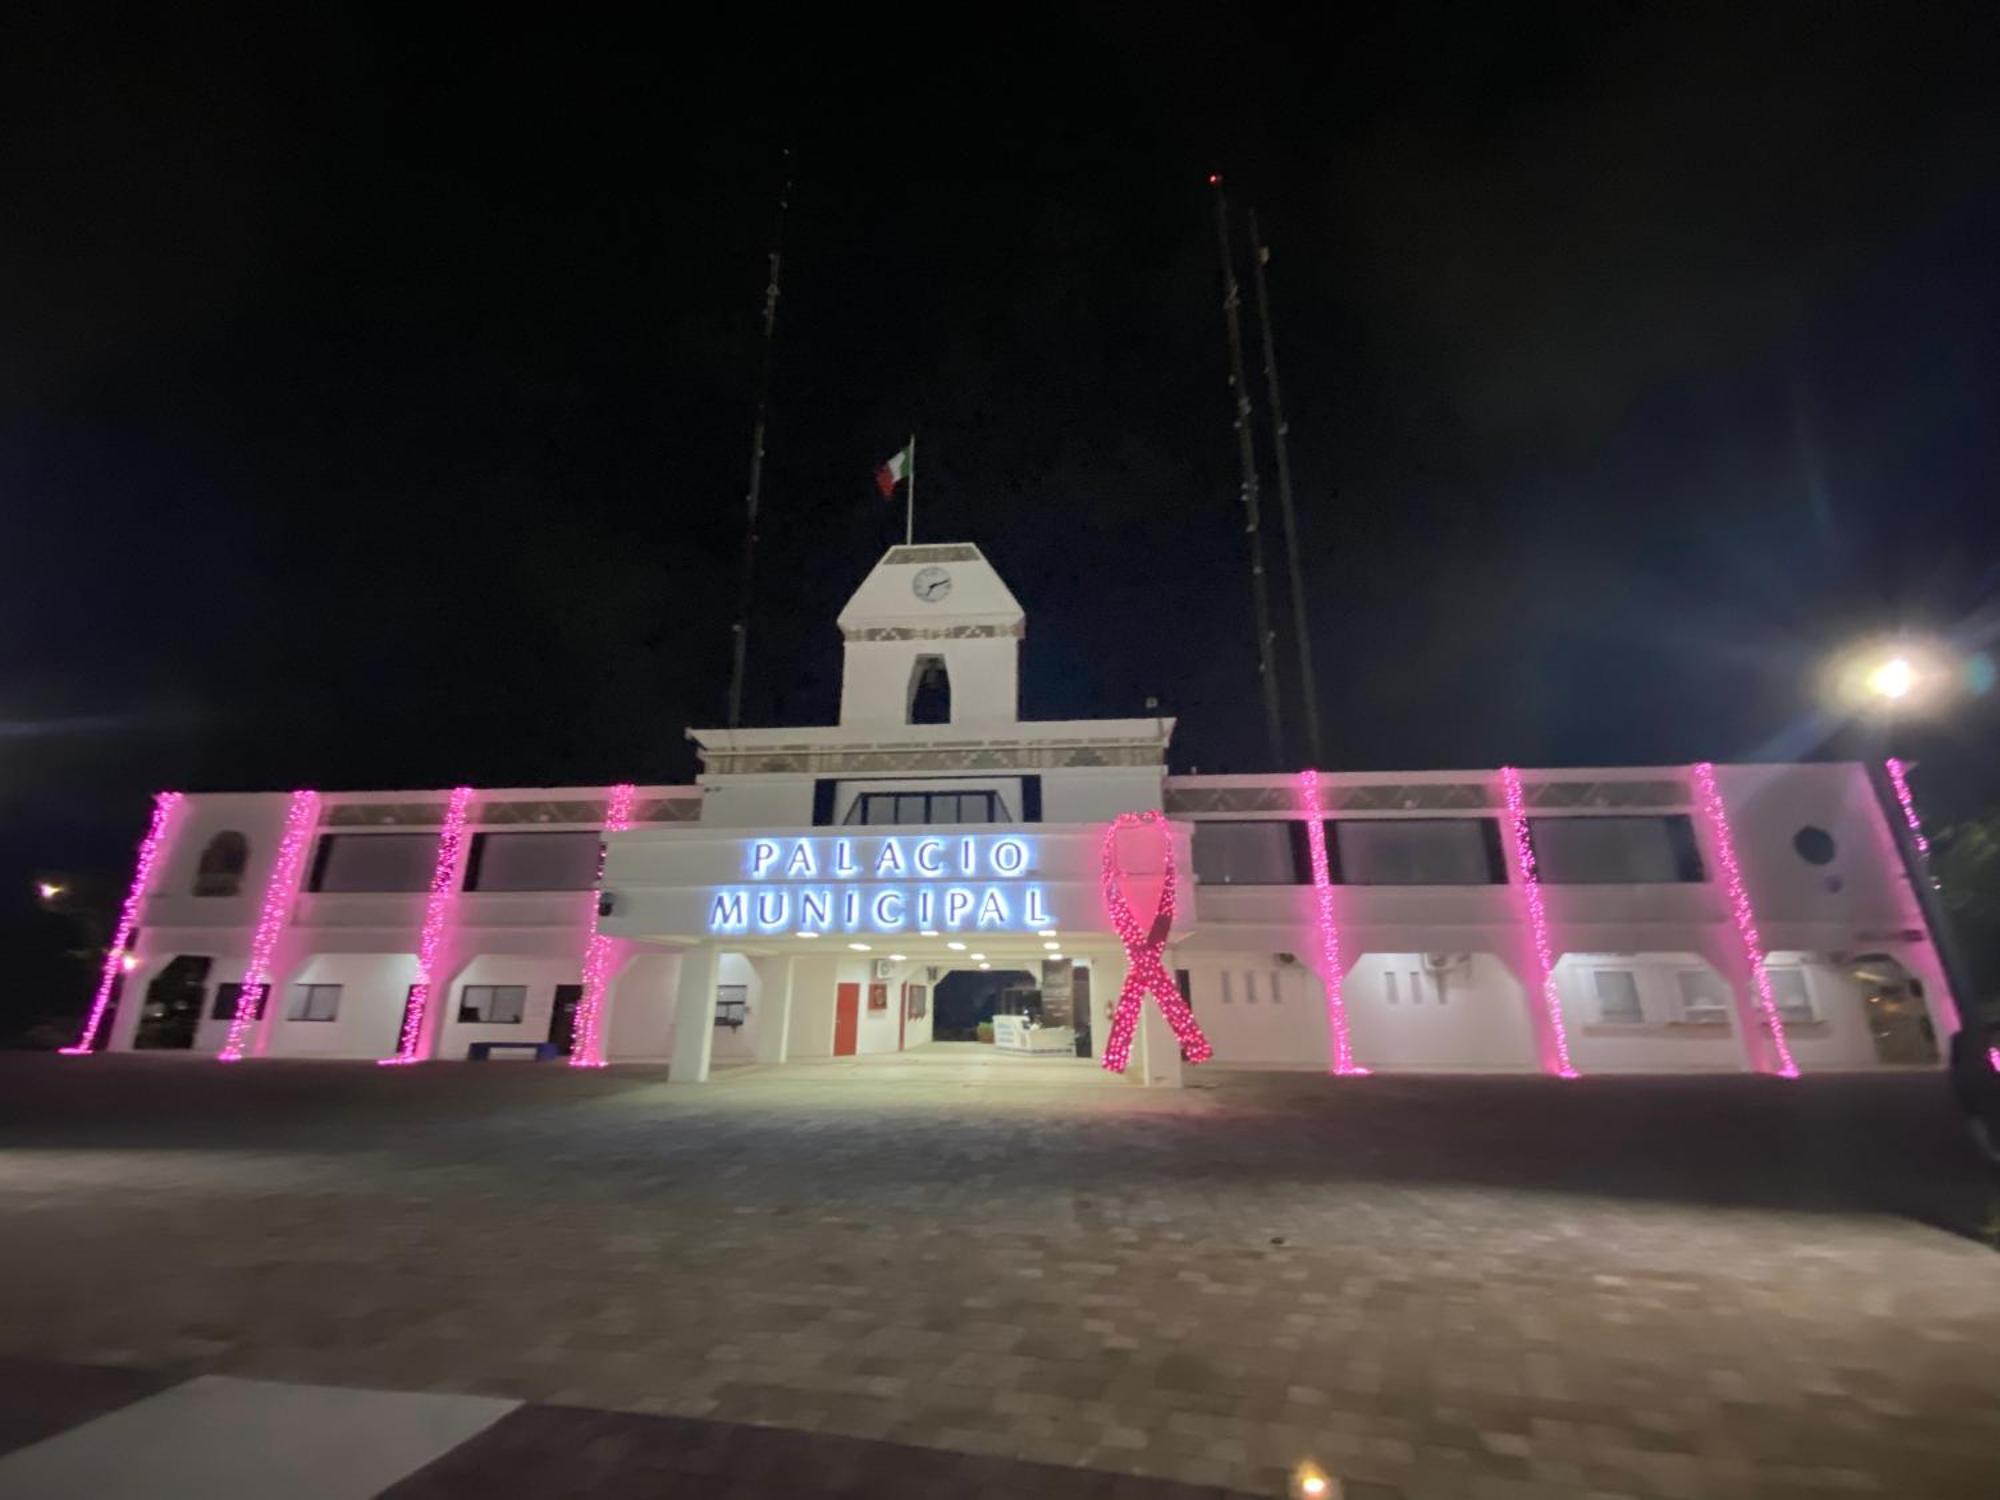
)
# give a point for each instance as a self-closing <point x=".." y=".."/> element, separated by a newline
<point x="1521" y="855"/>
<point x="1143" y="948"/>
<point x="1740" y="909"/>
<point x="1340" y="1043"/>
<point x="1899" y="778"/>
<point x="164" y="806"/>
<point x="301" y="816"/>
<point x="587" y="1039"/>
<point x="430" y="941"/>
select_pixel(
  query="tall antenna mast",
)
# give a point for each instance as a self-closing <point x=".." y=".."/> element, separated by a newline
<point x="1246" y="451"/>
<point x="1260" y="254"/>
<point x="739" y="631"/>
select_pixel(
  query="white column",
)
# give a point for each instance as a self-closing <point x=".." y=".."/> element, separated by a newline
<point x="1159" y="1050"/>
<point x="694" y="1015"/>
<point x="774" y="1026"/>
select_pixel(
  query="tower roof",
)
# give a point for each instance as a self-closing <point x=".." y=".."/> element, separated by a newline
<point x="970" y="600"/>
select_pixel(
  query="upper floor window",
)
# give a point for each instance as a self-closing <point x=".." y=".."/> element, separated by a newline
<point x="374" y="862"/>
<point x="223" y="858"/>
<point x="1246" y="853"/>
<point x="1615" y="851"/>
<point x="919" y="808"/>
<point x="1418" y="851"/>
<point x="533" y="862"/>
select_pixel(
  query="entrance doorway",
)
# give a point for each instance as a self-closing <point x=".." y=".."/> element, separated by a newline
<point x="172" y="1012"/>
<point x="1892" y="1001"/>
<point x="562" y="1017"/>
<point x="846" y="1019"/>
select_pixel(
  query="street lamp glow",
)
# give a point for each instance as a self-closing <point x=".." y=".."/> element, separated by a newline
<point x="48" y="890"/>
<point x="1893" y="679"/>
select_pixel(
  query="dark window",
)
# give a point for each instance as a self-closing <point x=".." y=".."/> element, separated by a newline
<point x="1614" y="851"/>
<point x="315" y="1002"/>
<point x="918" y="809"/>
<point x="223" y="858"/>
<point x="1246" y="853"/>
<point x="1418" y="851"/>
<point x="1815" y="845"/>
<point x="375" y="862"/>
<point x="227" y="996"/>
<point x="930" y="691"/>
<point x="533" y="862"/>
<point x="493" y="1004"/>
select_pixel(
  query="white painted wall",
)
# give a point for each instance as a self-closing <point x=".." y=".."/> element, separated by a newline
<point x="540" y="975"/>
<point x="1477" y="1022"/>
<point x="374" y="987"/>
<point x="1257" y="1012"/>
<point x="1662" y="1042"/>
<point x="642" y="1008"/>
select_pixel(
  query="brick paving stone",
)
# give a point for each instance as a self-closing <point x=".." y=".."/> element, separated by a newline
<point x="1436" y="1287"/>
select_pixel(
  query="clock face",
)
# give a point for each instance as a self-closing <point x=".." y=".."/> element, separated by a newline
<point x="931" y="584"/>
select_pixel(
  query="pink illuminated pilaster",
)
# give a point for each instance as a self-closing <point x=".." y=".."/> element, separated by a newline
<point x="1745" y="916"/>
<point x="1899" y="778"/>
<point x="1521" y="860"/>
<point x="165" y="805"/>
<point x="587" y="1042"/>
<point x="279" y="892"/>
<point x="1339" y="1044"/>
<point x="415" y="1045"/>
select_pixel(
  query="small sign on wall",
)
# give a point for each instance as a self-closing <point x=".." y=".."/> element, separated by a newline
<point x="878" y="997"/>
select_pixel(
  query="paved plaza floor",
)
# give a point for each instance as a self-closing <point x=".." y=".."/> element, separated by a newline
<point x="1433" y="1287"/>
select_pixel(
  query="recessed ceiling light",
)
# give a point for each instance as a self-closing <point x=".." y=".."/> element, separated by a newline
<point x="859" y="947"/>
<point x="986" y="966"/>
<point x="977" y="956"/>
<point x="928" y="932"/>
<point x="805" y="934"/>
<point x="1046" y="932"/>
<point x="956" y="947"/>
<point x="896" y="958"/>
<point x="1052" y="946"/>
<point x="1055" y="958"/>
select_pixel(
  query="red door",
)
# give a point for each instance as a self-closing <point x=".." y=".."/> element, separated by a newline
<point x="846" y="1018"/>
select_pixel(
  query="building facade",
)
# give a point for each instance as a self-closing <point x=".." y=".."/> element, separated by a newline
<point x="804" y="898"/>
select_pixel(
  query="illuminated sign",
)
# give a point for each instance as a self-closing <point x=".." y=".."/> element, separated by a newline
<point x="884" y="883"/>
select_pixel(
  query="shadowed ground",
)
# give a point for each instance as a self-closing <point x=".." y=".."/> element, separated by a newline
<point x="1436" y="1287"/>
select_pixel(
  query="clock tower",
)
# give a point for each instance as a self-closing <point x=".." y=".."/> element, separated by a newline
<point x="927" y="617"/>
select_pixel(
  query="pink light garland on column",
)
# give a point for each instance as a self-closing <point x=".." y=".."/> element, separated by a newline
<point x="587" y="1040"/>
<point x="437" y="912"/>
<point x="1521" y="854"/>
<point x="1899" y="778"/>
<point x="164" y="806"/>
<point x="1746" y="917"/>
<point x="1144" y="971"/>
<point x="1338" y="1040"/>
<point x="301" y="817"/>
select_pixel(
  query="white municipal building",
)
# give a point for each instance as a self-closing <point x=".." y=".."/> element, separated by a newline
<point x="805" y="897"/>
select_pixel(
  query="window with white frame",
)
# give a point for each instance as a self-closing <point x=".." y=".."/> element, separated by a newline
<point x="314" y="1002"/>
<point x="493" y="1004"/>
<point x="1793" y="997"/>
<point x="1617" y="997"/>
<point x="1704" y="997"/>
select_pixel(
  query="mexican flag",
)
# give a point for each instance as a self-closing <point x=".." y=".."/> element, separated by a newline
<point x="896" y="470"/>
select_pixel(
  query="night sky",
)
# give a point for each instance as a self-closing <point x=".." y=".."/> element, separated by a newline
<point x="375" y="391"/>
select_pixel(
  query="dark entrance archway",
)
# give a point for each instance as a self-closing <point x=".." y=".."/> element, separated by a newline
<point x="171" y="1013"/>
<point x="966" y="997"/>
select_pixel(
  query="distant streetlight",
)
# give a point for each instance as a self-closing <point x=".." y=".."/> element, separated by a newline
<point x="48" y="890"/>
<point x="1898" y="676"/>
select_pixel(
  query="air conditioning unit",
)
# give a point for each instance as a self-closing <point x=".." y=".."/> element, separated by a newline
<point x="883" y="968"/>
<point x="1437" y="963"/>
<point x="1285" y="960"/>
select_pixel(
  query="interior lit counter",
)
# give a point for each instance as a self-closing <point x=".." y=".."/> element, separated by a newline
<point x="1024" y="1034"/>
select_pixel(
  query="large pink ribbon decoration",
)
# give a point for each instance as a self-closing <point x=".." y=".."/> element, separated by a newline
<point x="1144" y="971"/>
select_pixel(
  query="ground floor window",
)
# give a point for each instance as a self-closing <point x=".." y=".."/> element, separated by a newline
<point x="493" y="1004"/>
<point x="228" y="997"/>
<point x="1794" y="1000"/>
<point x="315" y="1002"/>
<point x="1617" y="997"/>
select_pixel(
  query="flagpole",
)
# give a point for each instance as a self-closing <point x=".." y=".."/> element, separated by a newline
<point x="910" y="497"/>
